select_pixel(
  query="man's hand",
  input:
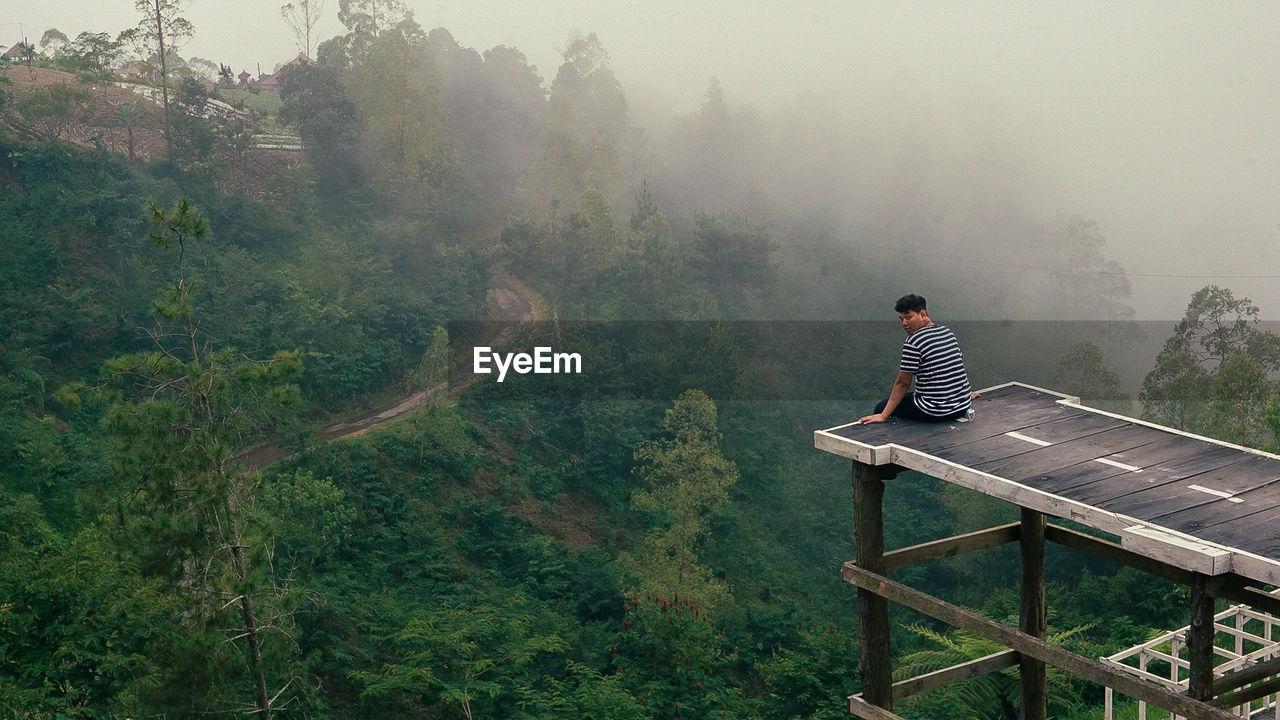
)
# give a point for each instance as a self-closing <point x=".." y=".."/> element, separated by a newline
<point x="877" y="418"/>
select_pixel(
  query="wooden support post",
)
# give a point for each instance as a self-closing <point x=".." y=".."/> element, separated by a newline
<point x="1200" y="640"/>
<point x="1248" y="675"/>
<point x="1033" y="615"/>
<point x="1080" y="666"/>
<point x="873" y="610"/>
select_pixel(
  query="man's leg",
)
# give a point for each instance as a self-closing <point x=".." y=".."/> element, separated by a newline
<point x="907" y="410"/>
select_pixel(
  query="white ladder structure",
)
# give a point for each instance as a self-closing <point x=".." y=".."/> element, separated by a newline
<point x="1251" y="634"/>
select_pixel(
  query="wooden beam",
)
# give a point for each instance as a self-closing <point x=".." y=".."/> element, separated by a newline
<point x="867" y="711"/>
<point x="873" y="610"/>
<point x="950" y="547"/>
<point x="1248" y="695"/>
<point x="1230" y="586"/>
<point x="1236" y="589"/>
<point x="1033" y="616"/>
<point x="1077" y="665"/>
<point x="1115" y="553"/>
<point x="1200" y="640"/>
<point x="1245" y="676"/>
<point x="964" y="671"/>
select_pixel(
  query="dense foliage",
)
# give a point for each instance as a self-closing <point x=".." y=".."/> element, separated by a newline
<point x="660" y="543"/>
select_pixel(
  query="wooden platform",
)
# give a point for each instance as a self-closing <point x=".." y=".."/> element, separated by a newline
<point x="1192" y="502"/>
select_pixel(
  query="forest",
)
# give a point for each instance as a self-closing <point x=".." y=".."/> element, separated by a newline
<point x="653" y="538"/>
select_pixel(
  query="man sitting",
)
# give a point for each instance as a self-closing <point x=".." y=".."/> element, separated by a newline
<point x="931" y="356"/>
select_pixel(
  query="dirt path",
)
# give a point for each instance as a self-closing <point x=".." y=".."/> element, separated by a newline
<point x="510" y="307"/>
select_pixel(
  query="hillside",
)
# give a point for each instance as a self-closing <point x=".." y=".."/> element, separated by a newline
<point x="652" y="538"/>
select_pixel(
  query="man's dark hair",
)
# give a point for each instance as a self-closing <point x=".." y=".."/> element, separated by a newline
<point x="907" y="303"/>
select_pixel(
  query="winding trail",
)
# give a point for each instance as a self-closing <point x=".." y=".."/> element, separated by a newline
<point x="510" y="306"/>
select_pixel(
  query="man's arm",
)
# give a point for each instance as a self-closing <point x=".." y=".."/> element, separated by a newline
<point x="901" y="385"/>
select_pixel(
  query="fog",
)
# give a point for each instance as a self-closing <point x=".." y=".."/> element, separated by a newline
<point x="959" y="135"/>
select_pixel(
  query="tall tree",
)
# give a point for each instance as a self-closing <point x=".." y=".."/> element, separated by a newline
<point x="733" y="257"/>
<point x="317" y="103"/>
<point x="371" y="17"/>
<point x="1241" y="394"/>
<point x="410" y="166"/>
<point x="302" y="17"/>
<point x="53" y="40"/>
<point x="686" y="480"/>
<point x="164" y="30"/>
<point x="1210" y="376"/>
<point x="181" y="411"/>
<point x="1083" y="372"/>
<point x="584" y="140"/>
<point x="93" y="54"/>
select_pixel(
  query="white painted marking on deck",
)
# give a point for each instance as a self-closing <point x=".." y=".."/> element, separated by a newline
<point x="1219" y="493"/>
<point x="1033" y="441"/>
<point x="1122" y="466"/>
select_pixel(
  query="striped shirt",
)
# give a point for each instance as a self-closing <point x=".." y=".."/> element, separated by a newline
<point x="933" y="356"/>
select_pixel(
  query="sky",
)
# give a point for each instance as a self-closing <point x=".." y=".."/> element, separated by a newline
<point x="1156" y="119"/>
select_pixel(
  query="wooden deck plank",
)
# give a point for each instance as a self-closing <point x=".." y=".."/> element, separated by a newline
<point x="1100" y="468"/>
<point x="1076" y="425"/>
<point x="993" y="420"/>
<point x="1258" y="533"/>
<point x="988" y="424"/>
<point x="1176" y="495"/>
<point x="1163" y="449"/>
<point x="1060" y="481"/>
<point x="1159" y="464"/>
<point x="1036" y="461"/>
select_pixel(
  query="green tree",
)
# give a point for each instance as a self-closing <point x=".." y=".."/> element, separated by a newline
<point x="181" y="411"/>
<point x="1241" y="393"/>
<point x="314" y="517"/>
<point x="1083" y="372"/>
<point x="1175" y="392"/>
<point x="1217" y="325"/>
<point x="732" y="256"/>
<point x="396" y="93"/>
<point x="993" y="696"/>
<point x="811" y="679"/>
<point x="79" y="630"/>
<point x="52" y="110"/>
<point x="584" y="140"/>
<point x="585" y="694"/>
<point x="432" y="374"/>
<point x="92" y="54"/>
<point x="53" y="40"/>
<point x="318" y="105"/>
<point x="651" y="269"/>
<point x="163" y="30"/>
<point x="687" y="480"/>
<point x="128" y="115"/>
<point x="676" y="657"/>
<point x="1213" y="367"/>
<point x="463" y="657"/>
<point x="371" y="17"/>
<point x="497" y="103"/>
